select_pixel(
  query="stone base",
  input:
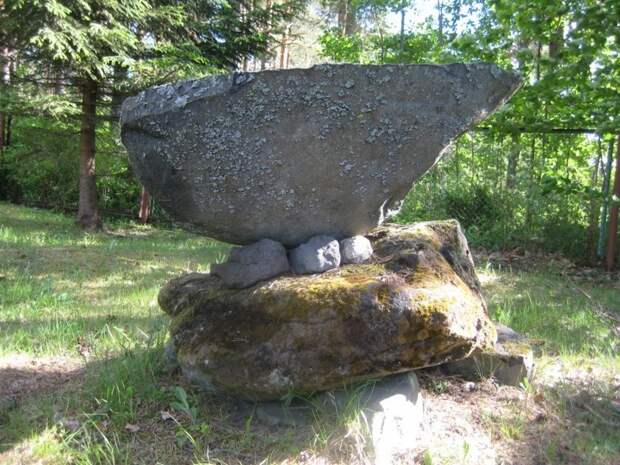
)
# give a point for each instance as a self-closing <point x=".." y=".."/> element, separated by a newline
<point x="509" y="362"/>
<point x="416" y="304"/>
<point x="391" y="407"/>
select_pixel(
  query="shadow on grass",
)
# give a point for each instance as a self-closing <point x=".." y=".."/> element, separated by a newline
<point x="94" y="405"/>
<point x="579" y="425"/>
<point x="22" y="377"/>
<point x="129" y="404"/>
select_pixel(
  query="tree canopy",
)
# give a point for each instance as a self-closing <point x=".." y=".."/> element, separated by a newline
<point x="68" y="64"/>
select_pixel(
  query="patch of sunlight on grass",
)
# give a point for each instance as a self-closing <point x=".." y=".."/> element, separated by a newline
<point x="549" y="309"/>
<point x="41" y="448"/>
<point x="488" y="276"/>
<point x="60" y="286"/>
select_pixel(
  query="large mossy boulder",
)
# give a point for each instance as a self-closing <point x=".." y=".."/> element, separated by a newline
<point x="417" y="303"/>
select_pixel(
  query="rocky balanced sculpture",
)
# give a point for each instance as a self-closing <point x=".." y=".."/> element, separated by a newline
<point x="301" y="167"/>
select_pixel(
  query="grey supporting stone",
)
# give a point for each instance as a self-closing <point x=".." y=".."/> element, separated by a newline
<point x="509" y="362"/>
<point x="319" y="254"/>
<point x="248" y="265"/>
<point x="356" y="249"/>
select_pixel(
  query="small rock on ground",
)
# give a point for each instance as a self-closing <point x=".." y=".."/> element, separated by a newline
<point x="509" y="363"/>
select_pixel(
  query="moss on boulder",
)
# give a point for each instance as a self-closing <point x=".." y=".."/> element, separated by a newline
<point x="416" y="304"/>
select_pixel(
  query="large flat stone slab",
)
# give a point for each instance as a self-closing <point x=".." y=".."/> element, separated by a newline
<point x="291" y="154"/>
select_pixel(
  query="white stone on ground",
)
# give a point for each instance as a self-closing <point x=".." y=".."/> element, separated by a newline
<point x="395" y="417"/>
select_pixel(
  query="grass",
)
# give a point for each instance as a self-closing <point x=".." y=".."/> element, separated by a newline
<point x="554" y="311"/>
<point x="92" y="297"/>
<point x="64" y="292"/>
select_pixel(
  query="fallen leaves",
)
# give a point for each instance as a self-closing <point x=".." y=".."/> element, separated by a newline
<point x="131" y="428"/>
<point x="167" y="416"/>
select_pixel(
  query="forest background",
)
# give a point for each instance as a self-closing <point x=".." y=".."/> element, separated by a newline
<point x="537" y="176"/>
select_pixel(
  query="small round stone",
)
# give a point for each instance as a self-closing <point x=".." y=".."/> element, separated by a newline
<point x="319" y="254"/>
<point x="356" y="249"/>
<point x="250" y="264"/>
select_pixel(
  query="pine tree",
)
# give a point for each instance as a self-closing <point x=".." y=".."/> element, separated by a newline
<point x="98" y="44"/>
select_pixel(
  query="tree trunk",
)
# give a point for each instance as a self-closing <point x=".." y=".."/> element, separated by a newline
<point x="88" y="214"/>
<point x="382" y="41"/>
<point x="351" y="23"/>
<point x="342" y="15"/>
<point x="440" y="19"/>
<point x="8" y="131"/>
<point x="120" y="75"/>
<point x="530" y="187"/>
<point x="347" y="22"/>
<point x="456" y="161"/>
<point x="402" y="28"/>
<point x="612" y="233"/>
<point x="593" y="208"/>
<point x="602" y="234"/>
<point x="263" y="61"/>
<point x="145" y="204"/>
<point x="513" y="162"/>
<point x="5" y="81"/>
<point x="283" y="49"/>
<point x="4" y="56"/>
<point x="555" y="45"/>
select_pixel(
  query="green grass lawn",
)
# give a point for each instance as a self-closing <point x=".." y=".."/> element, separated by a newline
<point x="62" y="289"/>
<point x="84" y="307"/>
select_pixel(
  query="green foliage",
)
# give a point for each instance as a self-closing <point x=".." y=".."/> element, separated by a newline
<point x="550" y="206"/>
<point x="181" y="404"/>
<point x="341" y="48"/>
<point x="41" y="168"/>
<point x="472" y="205"/>
<point x="422" y="46"/>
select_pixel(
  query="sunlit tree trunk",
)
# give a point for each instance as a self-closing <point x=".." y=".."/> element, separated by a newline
<point x="612" y="232"/>
<point x="402" y="27"/>
<point x="145" y="206"/>
<point x="263" y="61"/>
<point x="513" y="161"/>
<point x="440" y="19"/>
<point x="283" y="51"/>
<point x="88" y="213"/>
<point x="593" y="208"/>
<point x="347" y="22"/>
<point x="4" y="82"/>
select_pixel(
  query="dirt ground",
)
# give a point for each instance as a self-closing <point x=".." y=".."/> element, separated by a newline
<point x="465" y="422"/>
<point x="23" y="376"/>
